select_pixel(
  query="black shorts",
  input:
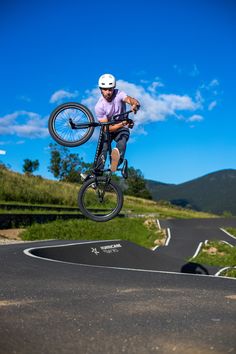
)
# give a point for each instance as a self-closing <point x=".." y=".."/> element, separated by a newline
<point x="120" y="133"/>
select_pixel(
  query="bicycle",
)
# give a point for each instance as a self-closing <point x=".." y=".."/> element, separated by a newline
<point x="72" y="124"/>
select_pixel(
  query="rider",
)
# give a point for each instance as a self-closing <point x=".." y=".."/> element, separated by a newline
<point x="112" y="102"/>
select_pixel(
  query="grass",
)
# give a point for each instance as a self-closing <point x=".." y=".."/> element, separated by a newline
<point x="19" y="188"/>
<point x="38" y="205"/>
<point x="161" y="210"/>
<point x="231" y="230"/>
<point x="139" y="231"/>
<point x="229" y="273"/>
<point x="216" y="253"/>
<point x="37" y="211"/>
<point x="36" y="190"/>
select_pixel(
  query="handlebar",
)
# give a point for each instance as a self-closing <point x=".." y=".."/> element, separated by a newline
<point x="126" y="114"/>
<point x="114" y="120"/>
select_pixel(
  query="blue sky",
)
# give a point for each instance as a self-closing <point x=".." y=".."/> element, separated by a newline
<point x="177" y="57"/>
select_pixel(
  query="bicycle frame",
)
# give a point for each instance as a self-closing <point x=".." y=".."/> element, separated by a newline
<point x="104" y="129"/>
<point x="100" y="124"/>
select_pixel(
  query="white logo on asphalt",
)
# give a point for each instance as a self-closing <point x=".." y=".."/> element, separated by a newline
<point x="94" y="250"/>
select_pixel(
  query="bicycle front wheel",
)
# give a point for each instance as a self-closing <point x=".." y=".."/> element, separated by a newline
<point x="99" y="199"/>
<point x="60" y="127"/>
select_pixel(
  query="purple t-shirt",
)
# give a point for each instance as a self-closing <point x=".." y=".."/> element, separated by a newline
<point x="107" y="109"/>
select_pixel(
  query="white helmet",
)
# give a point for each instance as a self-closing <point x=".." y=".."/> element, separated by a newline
<point x="107" y="81"/>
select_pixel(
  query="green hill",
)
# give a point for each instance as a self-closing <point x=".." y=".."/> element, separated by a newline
<point x="16" y="187"/>
<point x="214" y="192"/>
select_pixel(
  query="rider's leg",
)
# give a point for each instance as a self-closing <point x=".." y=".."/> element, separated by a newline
<point x="121" y="139"/>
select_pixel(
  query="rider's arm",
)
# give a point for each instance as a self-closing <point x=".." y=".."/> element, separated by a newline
<point x="115" y="127"/>
<point x="102" y="119"/>
<point x="133" y="103"/>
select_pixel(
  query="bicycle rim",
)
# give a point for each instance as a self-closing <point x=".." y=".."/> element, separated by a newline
<point x="100" y="201"/>
<point x="61" y="129"/>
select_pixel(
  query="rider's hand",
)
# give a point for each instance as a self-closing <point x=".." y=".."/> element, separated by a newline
<point x="124" y="123"/>
<point x="135" y="107"/>
<point x="130" y="124"/>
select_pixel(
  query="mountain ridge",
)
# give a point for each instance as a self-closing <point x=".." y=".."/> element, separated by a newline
<point x="214" y="192"/>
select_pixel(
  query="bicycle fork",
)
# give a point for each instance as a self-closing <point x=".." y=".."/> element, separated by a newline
<point x="101" y="191"/>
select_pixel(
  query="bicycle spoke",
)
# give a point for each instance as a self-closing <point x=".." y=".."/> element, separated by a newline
<point x="64" y="121"/>
<point x="63" y="127"/>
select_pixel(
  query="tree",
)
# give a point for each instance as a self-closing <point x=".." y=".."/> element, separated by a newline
<point x="66" y="166"/>
<point x="29" y="166"/>
<point x="136" y="184"/>
<point x="55" y="161"/>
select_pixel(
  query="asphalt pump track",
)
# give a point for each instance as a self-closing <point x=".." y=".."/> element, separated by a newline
<point x="185" y="239"/>
<point x="114" y="296"/>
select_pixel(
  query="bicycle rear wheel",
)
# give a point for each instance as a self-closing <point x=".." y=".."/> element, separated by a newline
<point x="60" y="128"/>
<point x="100" y="199"/>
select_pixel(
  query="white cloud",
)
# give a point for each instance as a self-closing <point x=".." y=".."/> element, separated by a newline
<point x="2" y="152"/>
<point x="62" y="94"/>
<point x="211" y="91"/>
<point x="154" y="107"/>
<point x="212" y="105"/>
<point x="92" y="98"/>
<point x="24" y="124"/>
<point x="211" y="86"/>
<point x="195" y="118"/>
<point x="199" y="98"/>
<point x="154" y="86"/>
<point x="214" y="83"/>
<point x="176" y="102"/>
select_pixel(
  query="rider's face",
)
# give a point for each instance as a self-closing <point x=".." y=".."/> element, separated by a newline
<point x="107" y="93"/>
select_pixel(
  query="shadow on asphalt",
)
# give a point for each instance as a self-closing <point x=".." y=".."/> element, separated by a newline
<point x="194" y="268"/>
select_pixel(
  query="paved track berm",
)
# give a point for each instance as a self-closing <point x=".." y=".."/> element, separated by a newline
<point x="114" y="297"/>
